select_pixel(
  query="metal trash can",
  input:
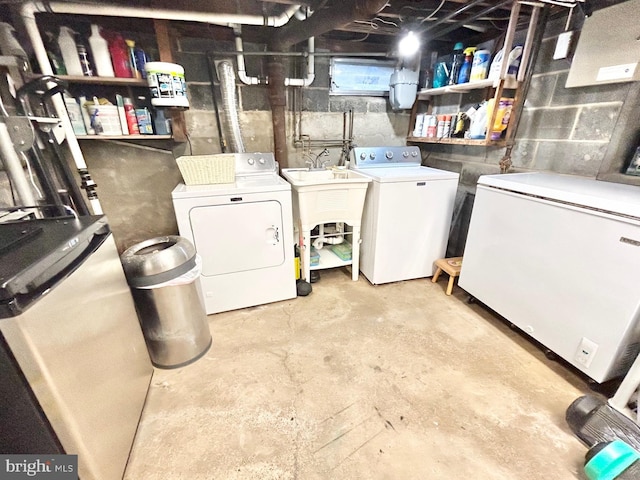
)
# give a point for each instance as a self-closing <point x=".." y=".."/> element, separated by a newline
<point x="162" y="274"/>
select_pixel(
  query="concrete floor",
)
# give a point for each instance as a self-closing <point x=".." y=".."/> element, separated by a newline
<point x="395" y="381"/>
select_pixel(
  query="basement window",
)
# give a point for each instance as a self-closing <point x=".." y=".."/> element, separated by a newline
<point x="359" y="76"/>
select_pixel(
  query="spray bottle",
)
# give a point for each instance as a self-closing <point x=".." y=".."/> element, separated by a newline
<point x="465" y="69"/>
<point x="69" y="51"/>
<point x="100" y="52"/>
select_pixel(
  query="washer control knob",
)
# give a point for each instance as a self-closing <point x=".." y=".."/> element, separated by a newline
<point x="251" y="161"/>
<point x="372" y="155"/>
<point x="414" y="154"/>
<point x="405" y="154"/>
<point x="261" y="161"/>
<point x="363" y="156"/>
<point x="388" y="154"/>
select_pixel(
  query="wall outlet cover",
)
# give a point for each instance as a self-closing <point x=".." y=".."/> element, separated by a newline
<point x="586" y="352"/>
<point x="563" y="45"/>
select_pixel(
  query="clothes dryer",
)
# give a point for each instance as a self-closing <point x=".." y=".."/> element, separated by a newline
<point x="243" y="232"/>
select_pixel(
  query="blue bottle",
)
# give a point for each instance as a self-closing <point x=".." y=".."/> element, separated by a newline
<point x="465" y="69"/>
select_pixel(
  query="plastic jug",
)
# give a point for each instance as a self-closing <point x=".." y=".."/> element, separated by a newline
<point x="69" y="51"/>
<point x="100" y="51"/>
<point x="119" y="56"/>
<point x="480" y="65"/>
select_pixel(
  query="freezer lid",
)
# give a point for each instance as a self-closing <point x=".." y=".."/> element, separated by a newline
<point x="407" y="174"/>
<point x="36" y="254"/>
<point x="610" y="197"/>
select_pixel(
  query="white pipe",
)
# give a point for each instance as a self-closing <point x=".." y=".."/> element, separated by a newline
<point x="242" y="71"/>
<point x="27" y="12"/>
<point x="13" y="165"/>
<point x="292" y="82"/>
<point x="334" y="238"/>
<point x="311" y="72"/>
<point x="226" y="19"/>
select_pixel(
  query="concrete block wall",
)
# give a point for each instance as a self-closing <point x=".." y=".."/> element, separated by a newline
<point x="586" y="131"/>
<point x="563" y="130"/>
<point x="321" y="115"/>
<point x="135" y="180"/>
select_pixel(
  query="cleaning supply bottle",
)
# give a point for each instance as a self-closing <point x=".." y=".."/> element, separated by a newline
<point x="456" y="63"/>
<point x="69" y="51"/>
<point x="53" y="54"/>
<point x="480" y="65"/>
<point x="132" y="121"/>
<point x="119" y="55"/>
<point x="83" y="55"/>
<point x="141" y="61"/>
<point x="513" y="63"/>
<point x="131" y="46"/>
<point x="100" y="51"/>
<point x="9" y="45"/>
<point x="465" y="69"/>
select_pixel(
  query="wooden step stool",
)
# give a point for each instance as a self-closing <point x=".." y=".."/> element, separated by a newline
<point x="450" y="265"/>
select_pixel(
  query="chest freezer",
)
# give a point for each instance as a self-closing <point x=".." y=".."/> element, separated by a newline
<point x="559" y="257"/>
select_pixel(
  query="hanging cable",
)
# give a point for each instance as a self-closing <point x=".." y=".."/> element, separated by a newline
<point x="28" y="163"/>
<point x="432" y="14"/>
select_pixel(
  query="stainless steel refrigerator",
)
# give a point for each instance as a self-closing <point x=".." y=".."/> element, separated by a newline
<point x="74" y="369"/>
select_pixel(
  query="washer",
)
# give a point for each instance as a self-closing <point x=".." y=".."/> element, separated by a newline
<point x="407" y="213"/>
<point x="243" y="232"/>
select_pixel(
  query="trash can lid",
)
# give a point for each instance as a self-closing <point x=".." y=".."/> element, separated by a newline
<point x="158" y="260"/>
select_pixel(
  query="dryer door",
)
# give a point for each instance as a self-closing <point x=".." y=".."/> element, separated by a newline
<point x="238" y="237"/>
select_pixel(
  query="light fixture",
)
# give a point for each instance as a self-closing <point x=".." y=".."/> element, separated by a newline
<point x="409" y="44"/>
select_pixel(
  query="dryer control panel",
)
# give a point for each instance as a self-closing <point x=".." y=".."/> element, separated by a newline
<point x="256" y="163"/>
<point x="397" y="156"/>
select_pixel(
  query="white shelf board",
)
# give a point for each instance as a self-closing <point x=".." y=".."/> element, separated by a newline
<point x="328" y="259"/>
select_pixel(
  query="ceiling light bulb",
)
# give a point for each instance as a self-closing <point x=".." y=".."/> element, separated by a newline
<point x="409" y="44"/>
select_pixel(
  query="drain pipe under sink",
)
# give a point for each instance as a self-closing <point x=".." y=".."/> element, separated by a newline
<point x="334" y="239"/>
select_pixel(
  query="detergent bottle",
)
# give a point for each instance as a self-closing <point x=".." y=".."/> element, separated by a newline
<point x="100" y="51"/>
<point x="69" y="51"/>
<point x="119" y="55"/>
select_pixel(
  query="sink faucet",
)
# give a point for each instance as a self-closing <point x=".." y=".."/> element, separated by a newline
<point x="317" y="164"/>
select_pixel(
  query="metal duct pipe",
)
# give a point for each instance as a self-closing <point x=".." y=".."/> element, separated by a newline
<point x="231" y="125"/>
<point x="337" y="14"/>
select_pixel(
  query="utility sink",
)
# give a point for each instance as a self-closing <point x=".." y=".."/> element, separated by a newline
<point x="303" y="177"/>
<point x="327" y="196"/>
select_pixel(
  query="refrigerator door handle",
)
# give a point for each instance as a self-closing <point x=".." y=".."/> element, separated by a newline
<point x="20" y="300"/>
